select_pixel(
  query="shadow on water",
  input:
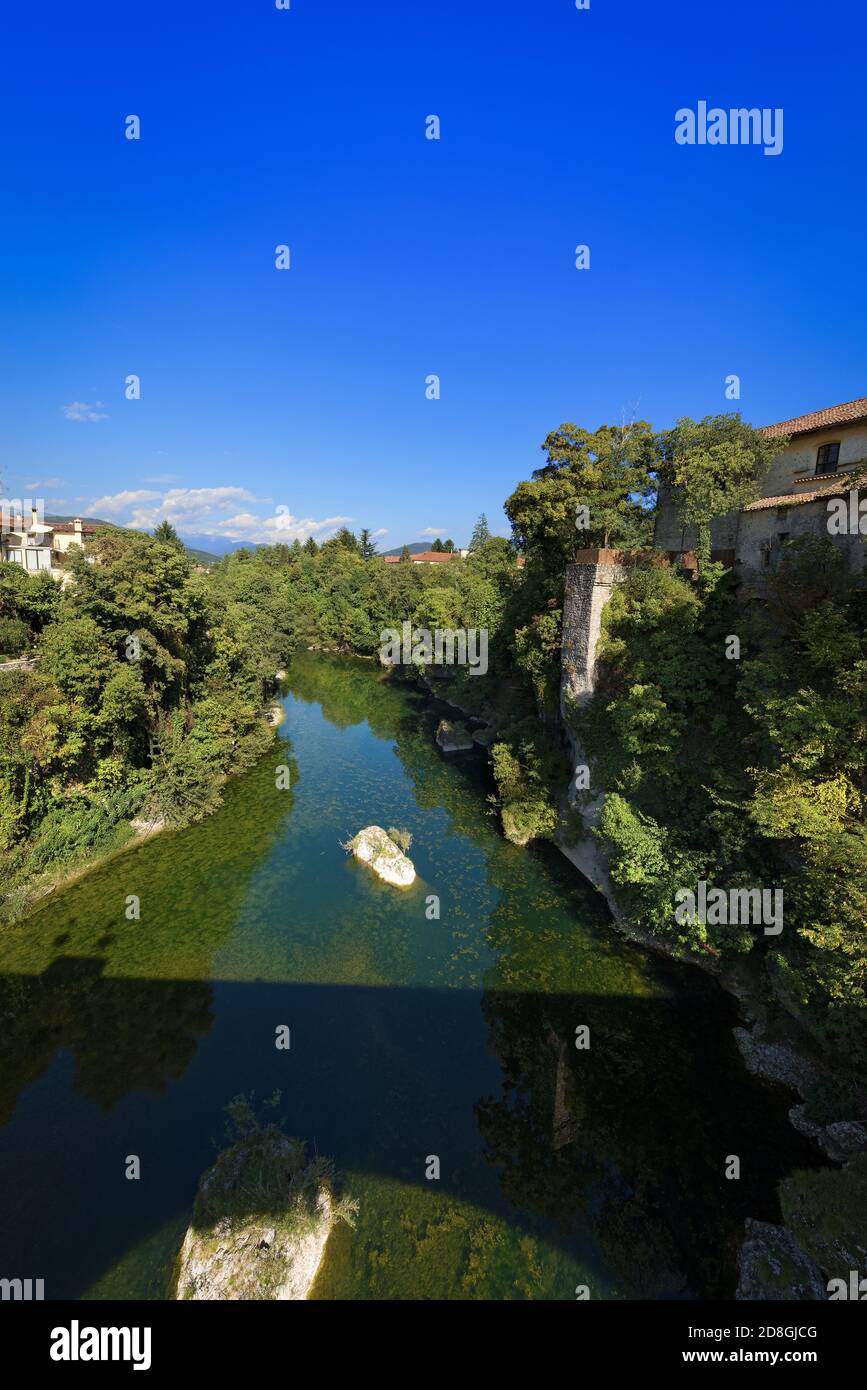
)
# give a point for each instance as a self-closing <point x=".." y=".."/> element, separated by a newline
<point x="409" y="1038"/>
<point x="617" y="1152"/>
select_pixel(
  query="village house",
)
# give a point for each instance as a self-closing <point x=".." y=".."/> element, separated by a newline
<point x="825" y="459"/>
<point x="39" y="545"/>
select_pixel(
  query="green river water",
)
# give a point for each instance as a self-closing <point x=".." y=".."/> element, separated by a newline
<point x="410" y="1037"/>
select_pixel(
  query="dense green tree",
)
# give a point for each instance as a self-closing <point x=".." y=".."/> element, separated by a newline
<point x="166" y="534"/>
<point x="714" y="466"/>
<point x="594" y="489"/>
<point x="366" y="544"/>
<point x="481" y="535"/>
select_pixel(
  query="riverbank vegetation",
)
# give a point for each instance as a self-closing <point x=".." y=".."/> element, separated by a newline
<point x="146" y="692"/>
<point x="153" y="676"/>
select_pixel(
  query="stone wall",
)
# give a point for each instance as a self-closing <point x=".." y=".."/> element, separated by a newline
<point x="762" y="534"/>
<point x="590" y="582"/>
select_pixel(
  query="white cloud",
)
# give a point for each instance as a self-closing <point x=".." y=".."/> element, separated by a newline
<point x="375" y="535"/>
<point x="116" y="502"/>
<point x="40" y="484"/>
<point x="433" y="531"/>
<point x="212" y="511"/>
<point x="161" y="477"/>
<point x="80" y="410"/>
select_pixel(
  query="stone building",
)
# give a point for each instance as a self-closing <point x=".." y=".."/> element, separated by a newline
<point x="825" y="459"/>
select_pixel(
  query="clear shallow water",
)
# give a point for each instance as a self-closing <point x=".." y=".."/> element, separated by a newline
<point x="409" y="1038"/>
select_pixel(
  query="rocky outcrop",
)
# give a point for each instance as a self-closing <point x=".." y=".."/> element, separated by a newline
<point x="148" y="825"/>
<point x="841" y="1141"/>
<point x="773" y="1267"/>
<point x="775" y="1061"/>
<point x="453" y="737"/>
<point x="255" y="1259"/>
<point x="235" y="1250"/>
<point x="374" y="847"/>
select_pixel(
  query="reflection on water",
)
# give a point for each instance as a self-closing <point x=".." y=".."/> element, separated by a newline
<point x="410" y="1038"/>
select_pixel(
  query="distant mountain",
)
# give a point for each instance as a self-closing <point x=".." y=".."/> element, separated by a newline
<point x="415" y="549"/>
<point x="53" y="518"/>
<point x="215" y="546"/>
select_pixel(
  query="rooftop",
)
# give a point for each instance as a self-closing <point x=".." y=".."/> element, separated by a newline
<point x="834" y="485"/>
<point x="847" y="414"/>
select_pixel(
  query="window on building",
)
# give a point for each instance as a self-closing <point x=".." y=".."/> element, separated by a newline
<point x="826" y="458"/>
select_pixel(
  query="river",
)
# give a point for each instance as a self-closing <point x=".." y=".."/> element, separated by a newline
<point x="412" y="1037"/>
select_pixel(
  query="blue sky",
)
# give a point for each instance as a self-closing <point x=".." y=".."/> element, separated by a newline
<point x="282" y="402"/>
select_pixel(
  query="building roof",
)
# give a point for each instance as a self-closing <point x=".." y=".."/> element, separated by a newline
<point x="846" y="414"/>
<point x="834" y="485"/>
<point x="67" y="528"/>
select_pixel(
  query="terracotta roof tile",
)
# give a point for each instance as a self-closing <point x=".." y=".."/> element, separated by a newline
<point x="845" y="414"/>
<point x="834" y="486"/>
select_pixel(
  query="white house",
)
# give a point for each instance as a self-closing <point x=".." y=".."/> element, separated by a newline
<point x="37" y="545"/>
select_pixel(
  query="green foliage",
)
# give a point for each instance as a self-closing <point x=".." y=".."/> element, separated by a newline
<point x="166" y="534"/>
<point x="481" y="535"/>
<point x="150" y="691"/>
<point x="609" y="471"/>
<point x="262" y="1172"/>
<point x="714" y="466"/>
<point x="527" y="768"/>
<point x="185" y="788"/>
<point x="744" y="773"/>
<point x="402" y="838"/>
<point x="826" y="1211"/>
<point x="33" y="598"/>
<point x="366" y="545"/>
<point x="81" y="826"/>
<point x="648" y="866"/>
<point x="14" y="636"/>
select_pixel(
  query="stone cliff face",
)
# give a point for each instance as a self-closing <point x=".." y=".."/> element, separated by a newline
<point x="590" y="583"/>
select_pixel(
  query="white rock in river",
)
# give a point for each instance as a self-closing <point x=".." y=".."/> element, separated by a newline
<point x="234" y="1251"/>
<point x="374" y="847"/>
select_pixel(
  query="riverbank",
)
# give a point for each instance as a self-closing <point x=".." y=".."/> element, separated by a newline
<point x="773" y="1045"/>
<point x="24" y="898"/>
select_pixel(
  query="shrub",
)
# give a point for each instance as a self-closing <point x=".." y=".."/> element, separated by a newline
<point x="402" y="838"/>
<point x="14" y="636"/>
